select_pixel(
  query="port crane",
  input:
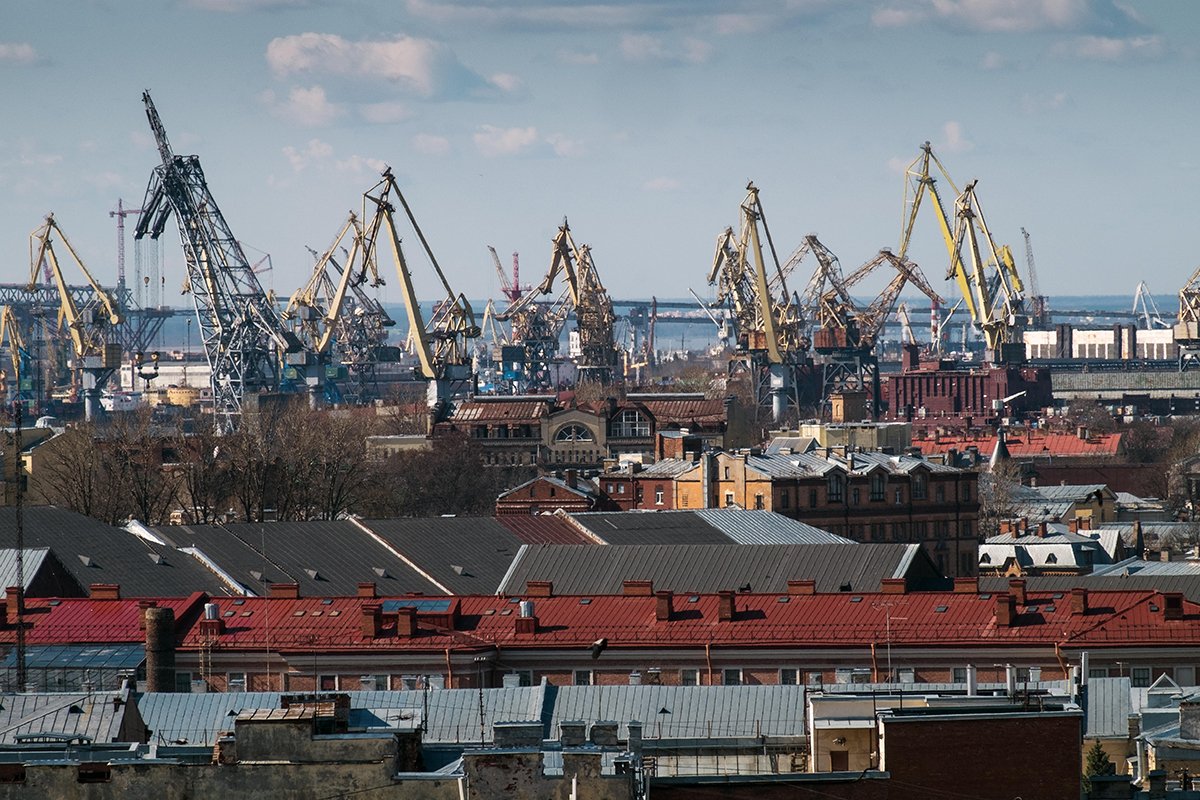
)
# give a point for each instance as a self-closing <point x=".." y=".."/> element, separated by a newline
<point x="1187" y="325"/>
<point x="245" y="339"/>
<point x="95" y="356"/>
<point x="1039" y="309"/>
<point x="443" y="343"/>
<point x="769" y="341"/>
<point x="1145" y="307"/>
<point x="18" y="356"/>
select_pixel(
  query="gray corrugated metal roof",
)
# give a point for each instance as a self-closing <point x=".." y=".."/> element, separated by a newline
<point x="197" y="719"/>
<point x="34" y="556"/>
<point x="325" y="558"/>
<point x="1108" y="708"/>
<point x="692" y="711"/>
<point x="86" y="714"/>
<point x="709" y="567"/>
<point x="93" y="552"/>
<point x="651" y="527"/>
<point x="1070" y="492"/>
<point x="746" y="526"/>
<point x="467" y="555"/>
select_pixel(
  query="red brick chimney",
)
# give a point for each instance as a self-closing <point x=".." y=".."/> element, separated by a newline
<point x="1085" y="523"/>
<point x="289" y="591"/>
<point x="406" y="622"/>
<point x="10" y="605"/>
<point x="105" y="591"/>
<point x="367" y="591"/>
<point x="802" y="587"/>
<point x="572" y="479"/>
<point x="539" y="588"/>
<point x="372" y="620"/>
<point x="664" y="606"/>
<point x="966" y="585"/>
<point x="893" y="585"/>
<point x="1079" y="601"/>
<point x="1006" y="610"/>
<point x="1016" y="586"/>
<point x="1041" y="530"/>
<point x="725" y="605"/>
<point x="526" y="626"/>
<point x="1073" y="525"/>
<point x="637" y="588"/>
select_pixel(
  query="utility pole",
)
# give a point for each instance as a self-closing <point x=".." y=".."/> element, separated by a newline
<point x="20" y="513"/>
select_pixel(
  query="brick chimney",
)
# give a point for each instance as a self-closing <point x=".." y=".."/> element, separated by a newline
<point x="1079" y="601"/>
<point x="637" y="588"/>
<point x="539" y="588"/>
<point x="406" y="622"/>
<point x="1073" y="525"/>
<point x="105" y="591"/>
<point x="664" y="606"/>
<point x="725" y="605"/>
<point x="1172" y="605"/>
<point x="893" y="586"/>
<point x="1085" y="523"/>
<point x="160" y="650"/>
<point x="143" y="607"/>
<point x="372" y="620"/>
<point x="367" y="591"/>
<point x="289" y="591"/>
<point x="1006" y="610"/>
<point x="526" y="626"/>
<point x="1041" y="529"/>
<point x="572" y="479"/>
<point x="966" y="585"/>
<point x="10" y="604"/>
<point x="802" y="587"/>
<point x="1016" y="586"/>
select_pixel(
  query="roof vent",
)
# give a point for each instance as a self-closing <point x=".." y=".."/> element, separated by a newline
<point x="380" y="571"/>
<point x="157" y="558"/>
<point x="257" y="575"/>
<point x="87" y="560"/>
<point x="313" y="574"/>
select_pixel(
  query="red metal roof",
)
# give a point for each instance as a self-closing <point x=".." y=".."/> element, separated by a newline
<point x="543" y="529"/>
<point x="84" y="620"/>
<point x="685" y="412"/>
<point x="1029" y="444"/>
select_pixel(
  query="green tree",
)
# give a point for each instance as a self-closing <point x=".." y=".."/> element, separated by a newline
<point x="1098" y="763"/>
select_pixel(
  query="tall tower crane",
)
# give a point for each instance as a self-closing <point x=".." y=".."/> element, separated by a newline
<point x="443" y="345"/>
<point x="18" y="375"/>
<point x="95" y="356"/>
<point x="769" y="330"/>
<point x="1039" y="309"/>
<point x="244" y="337"/>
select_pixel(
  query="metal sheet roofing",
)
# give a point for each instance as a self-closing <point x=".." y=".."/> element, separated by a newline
<point x="324" y="558"/>
<point x="650" y="527"/>
<point x="526" y="411"/>
<point x="83" y="656"/>
<point x="83" y="620"/>
<point x="1108" y="708"/>
<point x="686" y="412"/>
<point x="81" y="714"/>
<point x="710" y="568"/>
<point x="543" y="529"/>
<point x="1029" y="445"/>
<point x="466" y="555"/>
<point x="33" y="558"/>
<point x="747" y="526"/>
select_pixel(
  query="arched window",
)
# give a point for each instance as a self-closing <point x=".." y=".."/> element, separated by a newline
<point x="630" y="423"/>
<point x="573" y="433"/>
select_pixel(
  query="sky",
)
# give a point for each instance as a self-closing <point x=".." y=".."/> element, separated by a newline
<point x="639" y="121"/>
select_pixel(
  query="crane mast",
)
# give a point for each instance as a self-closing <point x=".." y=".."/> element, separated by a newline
<point x="1039" y="309"/>
<point x="18" y="355"/>
<point x="245" y="340"/>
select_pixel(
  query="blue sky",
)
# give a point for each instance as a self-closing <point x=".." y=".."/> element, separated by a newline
<point x="640" y="121"/>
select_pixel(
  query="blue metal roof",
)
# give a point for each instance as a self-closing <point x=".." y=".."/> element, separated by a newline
<point x="80" y="656"/>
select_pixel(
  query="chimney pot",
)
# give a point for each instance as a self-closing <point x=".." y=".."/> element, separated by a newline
<point x="406" y="622"/>
<point x="802" y="587"/>
<point x="637" y="588"/>
<point x="1016" y="587"/>
<point x="725" y="605"/>
<point x="211" y="628"/>
<point x="1073" y="525"/>
<point x="1079" y="601"/>
<point x="1041" y="531"/>
<point x="539" y="588"/>
<point x="664" y="603"/>
<point x="367" y="590"/>
<point x="1085" y="523"/>
<point x="893" y="585"/>
<point x="1172" y="605"/>
<point x="289" y="591"/>
<point x="105" y="591"/>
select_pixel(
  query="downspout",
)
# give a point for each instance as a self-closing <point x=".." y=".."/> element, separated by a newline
<point x="874" y="664"/>
<point x="449" y="671"/>
<point x="708" y="658"/>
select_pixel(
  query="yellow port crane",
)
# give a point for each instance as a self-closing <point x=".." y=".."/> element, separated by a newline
<point x="90" y="327"/>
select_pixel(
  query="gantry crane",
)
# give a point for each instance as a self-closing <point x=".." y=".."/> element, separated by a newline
<point x="769" y="339"/>
<point x="991" y="285"/>
<point x="245" y="339"/>
<point x="18" y="375"/>
<point x="1039" y="308"/>
<point x="443" y="345"/>
<point x="91" y="327"/>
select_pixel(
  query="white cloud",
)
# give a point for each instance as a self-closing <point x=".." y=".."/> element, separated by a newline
<point x="896" y="17"/>
<point x="992" y="61"/>
<point x="357" y="164"/>
<point x="430" y="145"/>
<point x="661" y="184"/>
<point x="384" y="113"/>
<point x="1036" y="104"/>
<point x="492" y="141"/>
<point x="505" y="82"/>
<point x="236" y="6"/>
<point x="565" y="147"/>
<point x="641" y="47"/>
<point x="897" y="165"/>
<point x="953" y="139"/>
<point x="315" y="151"/>
<point x="20" y="53"/>
<point x="1011" y="16"/>
<point x="308" y="107"/>
<point x="1106" y="48"/>
<point x="421" y="66"/>
<point x="577" y="57"/>
<point x="30" y="158"/>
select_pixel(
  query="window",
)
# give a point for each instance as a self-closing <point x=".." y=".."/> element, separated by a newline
<point x="728" y="499"/>
<point x="785" y="499"/>
<point x="789" y="677"/>
<point x="899" y="497"/>
<point x="573" y="433"/>
<point x="689" y="677"/>
<point x="835" y="488"/>
<point x="900" y="531"/>
<point x="235" y="682"/>
<point x="583" y="677"/>
<point x="966" y="492"/>
<point x="964" y="530"/>
<point x="815" y="678"/>
<point x="759" y="502"/>
<point x="610" y="488"/>
<point x="878" y="486"/>
<point x="630" y="423"/>
<point x="1023" y="675"/>
<point x="958" y="675"/>
<point x="727" y="473"/>
<point x="812" y="498"/>
<point x="620" y="488"/>
<point x="183" y="681"/>
<point x="876" y="532"/>
<point x="854" y="494"/>
<point x="683" y="500"/>
<point x="1097" y="672"/>
<point x="1139" y="677"/>
<point x="327" y="683"/>
<point x="939" y="493"/>
<point x="731" y="677"/>
<point x="920" y="484"/>
<point x="377" y="683"/>
<point x="658" y="496"/>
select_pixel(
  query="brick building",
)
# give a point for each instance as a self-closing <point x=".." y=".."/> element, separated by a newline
<point x="547" y="494"/>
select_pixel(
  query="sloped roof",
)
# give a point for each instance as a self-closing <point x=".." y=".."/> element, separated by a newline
<point x="1080" y="492"/>
<point x="93" y="552"/>
<point x="1108" y="708"/>
<point x="751" y="526"/>
<point x="81" y="714"/>
<point x="792" y="444"/>
<point x="689" y="411"/>
<point x="519" y="411"/>
<point x="543" y="529"/>
<point x="650" y="527"/>
<point x="324" y="558"/>
<point x="1027" y="445"/>
<point x="466" y="555"/>
<point x="713" y="567"/>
